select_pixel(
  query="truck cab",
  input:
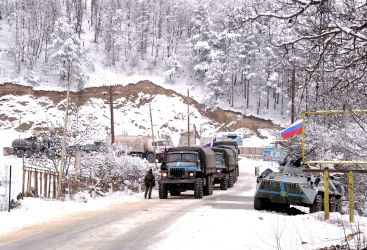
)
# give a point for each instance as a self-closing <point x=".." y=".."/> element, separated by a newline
<point x="187" y="168"/>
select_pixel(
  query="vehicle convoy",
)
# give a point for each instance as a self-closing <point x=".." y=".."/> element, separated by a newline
<point x="230" y="144"/>
<point x="225" y="167"/>
<point x="292" y="186"/>
<point x="31" y="145"/>
<point x="142" y="146"/>
<point x="187" y="168"/>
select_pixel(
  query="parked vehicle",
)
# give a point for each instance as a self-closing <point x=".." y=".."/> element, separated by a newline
<point x="292" y="186"/>
<point x="143" y="147"/>
<point x="31" y="145"/>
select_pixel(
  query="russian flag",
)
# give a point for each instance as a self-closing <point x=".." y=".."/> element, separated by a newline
<point x="294" y="129"/>
<point x="207" y="145"/>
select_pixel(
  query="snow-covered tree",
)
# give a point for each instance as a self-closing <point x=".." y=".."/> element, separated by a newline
<point x="214" y="86"/>
<point x="68" y="55"/>
<point x="171" y="65"/>
<point x="201" y="38"/>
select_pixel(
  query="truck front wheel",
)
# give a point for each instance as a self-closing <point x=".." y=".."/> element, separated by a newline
<point x="198" y="189"/>
<point x="223" y="183"/>
<point x="28" y="153"/>
<point x="163" y="191"/>
<point x="20" y="153"/>
<point x="150" y="158"/>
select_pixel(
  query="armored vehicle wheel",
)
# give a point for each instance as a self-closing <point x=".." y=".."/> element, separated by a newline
<point x="237" y="171"/>
<point x="150" y="158"/>
<point x="28" y="153"/>
<point x="332" y="203"/>
<point x="338" y="205"/>
<point x="223" y="183"/>
<point x="230" y="180"/>
<point x="50" y="154"/>
<point x="235" y="176"/>
<point x="163" y="191"/>
<point x="317" y="204"/>
<point x="259" y="203"/>
<point x="174" y="193"/>
<point x="20" y="153"/>
<point x="198" y="189"/>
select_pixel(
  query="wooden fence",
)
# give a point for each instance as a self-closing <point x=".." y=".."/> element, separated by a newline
<point x="38" y="182"/>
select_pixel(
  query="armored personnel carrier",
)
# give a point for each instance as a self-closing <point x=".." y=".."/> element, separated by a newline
<point x="291" y="186"/>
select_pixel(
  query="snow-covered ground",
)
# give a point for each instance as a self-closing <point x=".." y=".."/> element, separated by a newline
<point x="260" y="229"/>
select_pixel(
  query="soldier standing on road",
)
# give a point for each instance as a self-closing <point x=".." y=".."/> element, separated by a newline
<point x="149" y="181"/>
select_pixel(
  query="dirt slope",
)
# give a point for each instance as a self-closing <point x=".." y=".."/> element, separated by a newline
<point x="229" y="120"/>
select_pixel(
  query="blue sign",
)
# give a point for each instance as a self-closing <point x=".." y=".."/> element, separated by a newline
<point x="272" y="154"/>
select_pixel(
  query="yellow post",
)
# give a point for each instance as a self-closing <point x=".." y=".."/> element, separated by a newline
<point x="303" y="136"/>
<point x="351" y="197"/>
<point x="326" y="194"/>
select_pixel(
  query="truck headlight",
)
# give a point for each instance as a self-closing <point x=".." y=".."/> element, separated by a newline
<point x="219" y="170"/>
<point x="164" y="174"/>
<point x="192" y="174"/>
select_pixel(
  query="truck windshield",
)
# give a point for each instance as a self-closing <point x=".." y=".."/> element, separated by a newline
<point x="181" y="157"/>
<point x="162" y="143"/>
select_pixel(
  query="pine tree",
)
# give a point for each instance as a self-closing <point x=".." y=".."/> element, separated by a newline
<point x="201" y="38"/>
<point x="214" y="86"/>
<point x="171" y="65"/>
<point x="67" y="49"/>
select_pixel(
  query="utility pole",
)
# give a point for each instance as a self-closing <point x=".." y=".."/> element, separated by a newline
<point x="151" y="124"/>
<point x="293" y="93"/>
<point x="112" y="119"/>
<point x="188" y="119"/>
<point x="64" y="135"/>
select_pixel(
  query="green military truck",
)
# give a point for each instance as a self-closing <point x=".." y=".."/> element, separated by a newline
<point x="225" y="167"/>
<point x="231" y="145"/>
<point x="187" y="168"/>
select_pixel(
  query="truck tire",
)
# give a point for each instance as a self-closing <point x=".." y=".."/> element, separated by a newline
<point x="332" y="204"/>
<point x="223" y="183"/>
<point x="207" y="187"/>
<point x="317" y="204"/>
<point x="28" y="153"/>
<point x="20" y="153"/>
<point x="338" y="205"/>
<point x="50" y="154"/>
<point x="198" y="189"/>
<point x="230" y="180"/>
<point x="211" y="186"/>
<point x="150" y="158"/>
<point x="162" y="191"/>
<point x="259" y="203"/>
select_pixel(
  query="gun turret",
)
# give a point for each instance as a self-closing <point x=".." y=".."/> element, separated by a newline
<point x="297" y="162"/>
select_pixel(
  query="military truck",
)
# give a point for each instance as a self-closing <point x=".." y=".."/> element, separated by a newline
<point x="97" y="146"/>
<point x="225" y="165"/>
<point x="187" y="168"/>
<point x="230" y="144"/>
<point x="28" y="146"/>
<point x="142" y="146"/>
<point x="292" y="186"/>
